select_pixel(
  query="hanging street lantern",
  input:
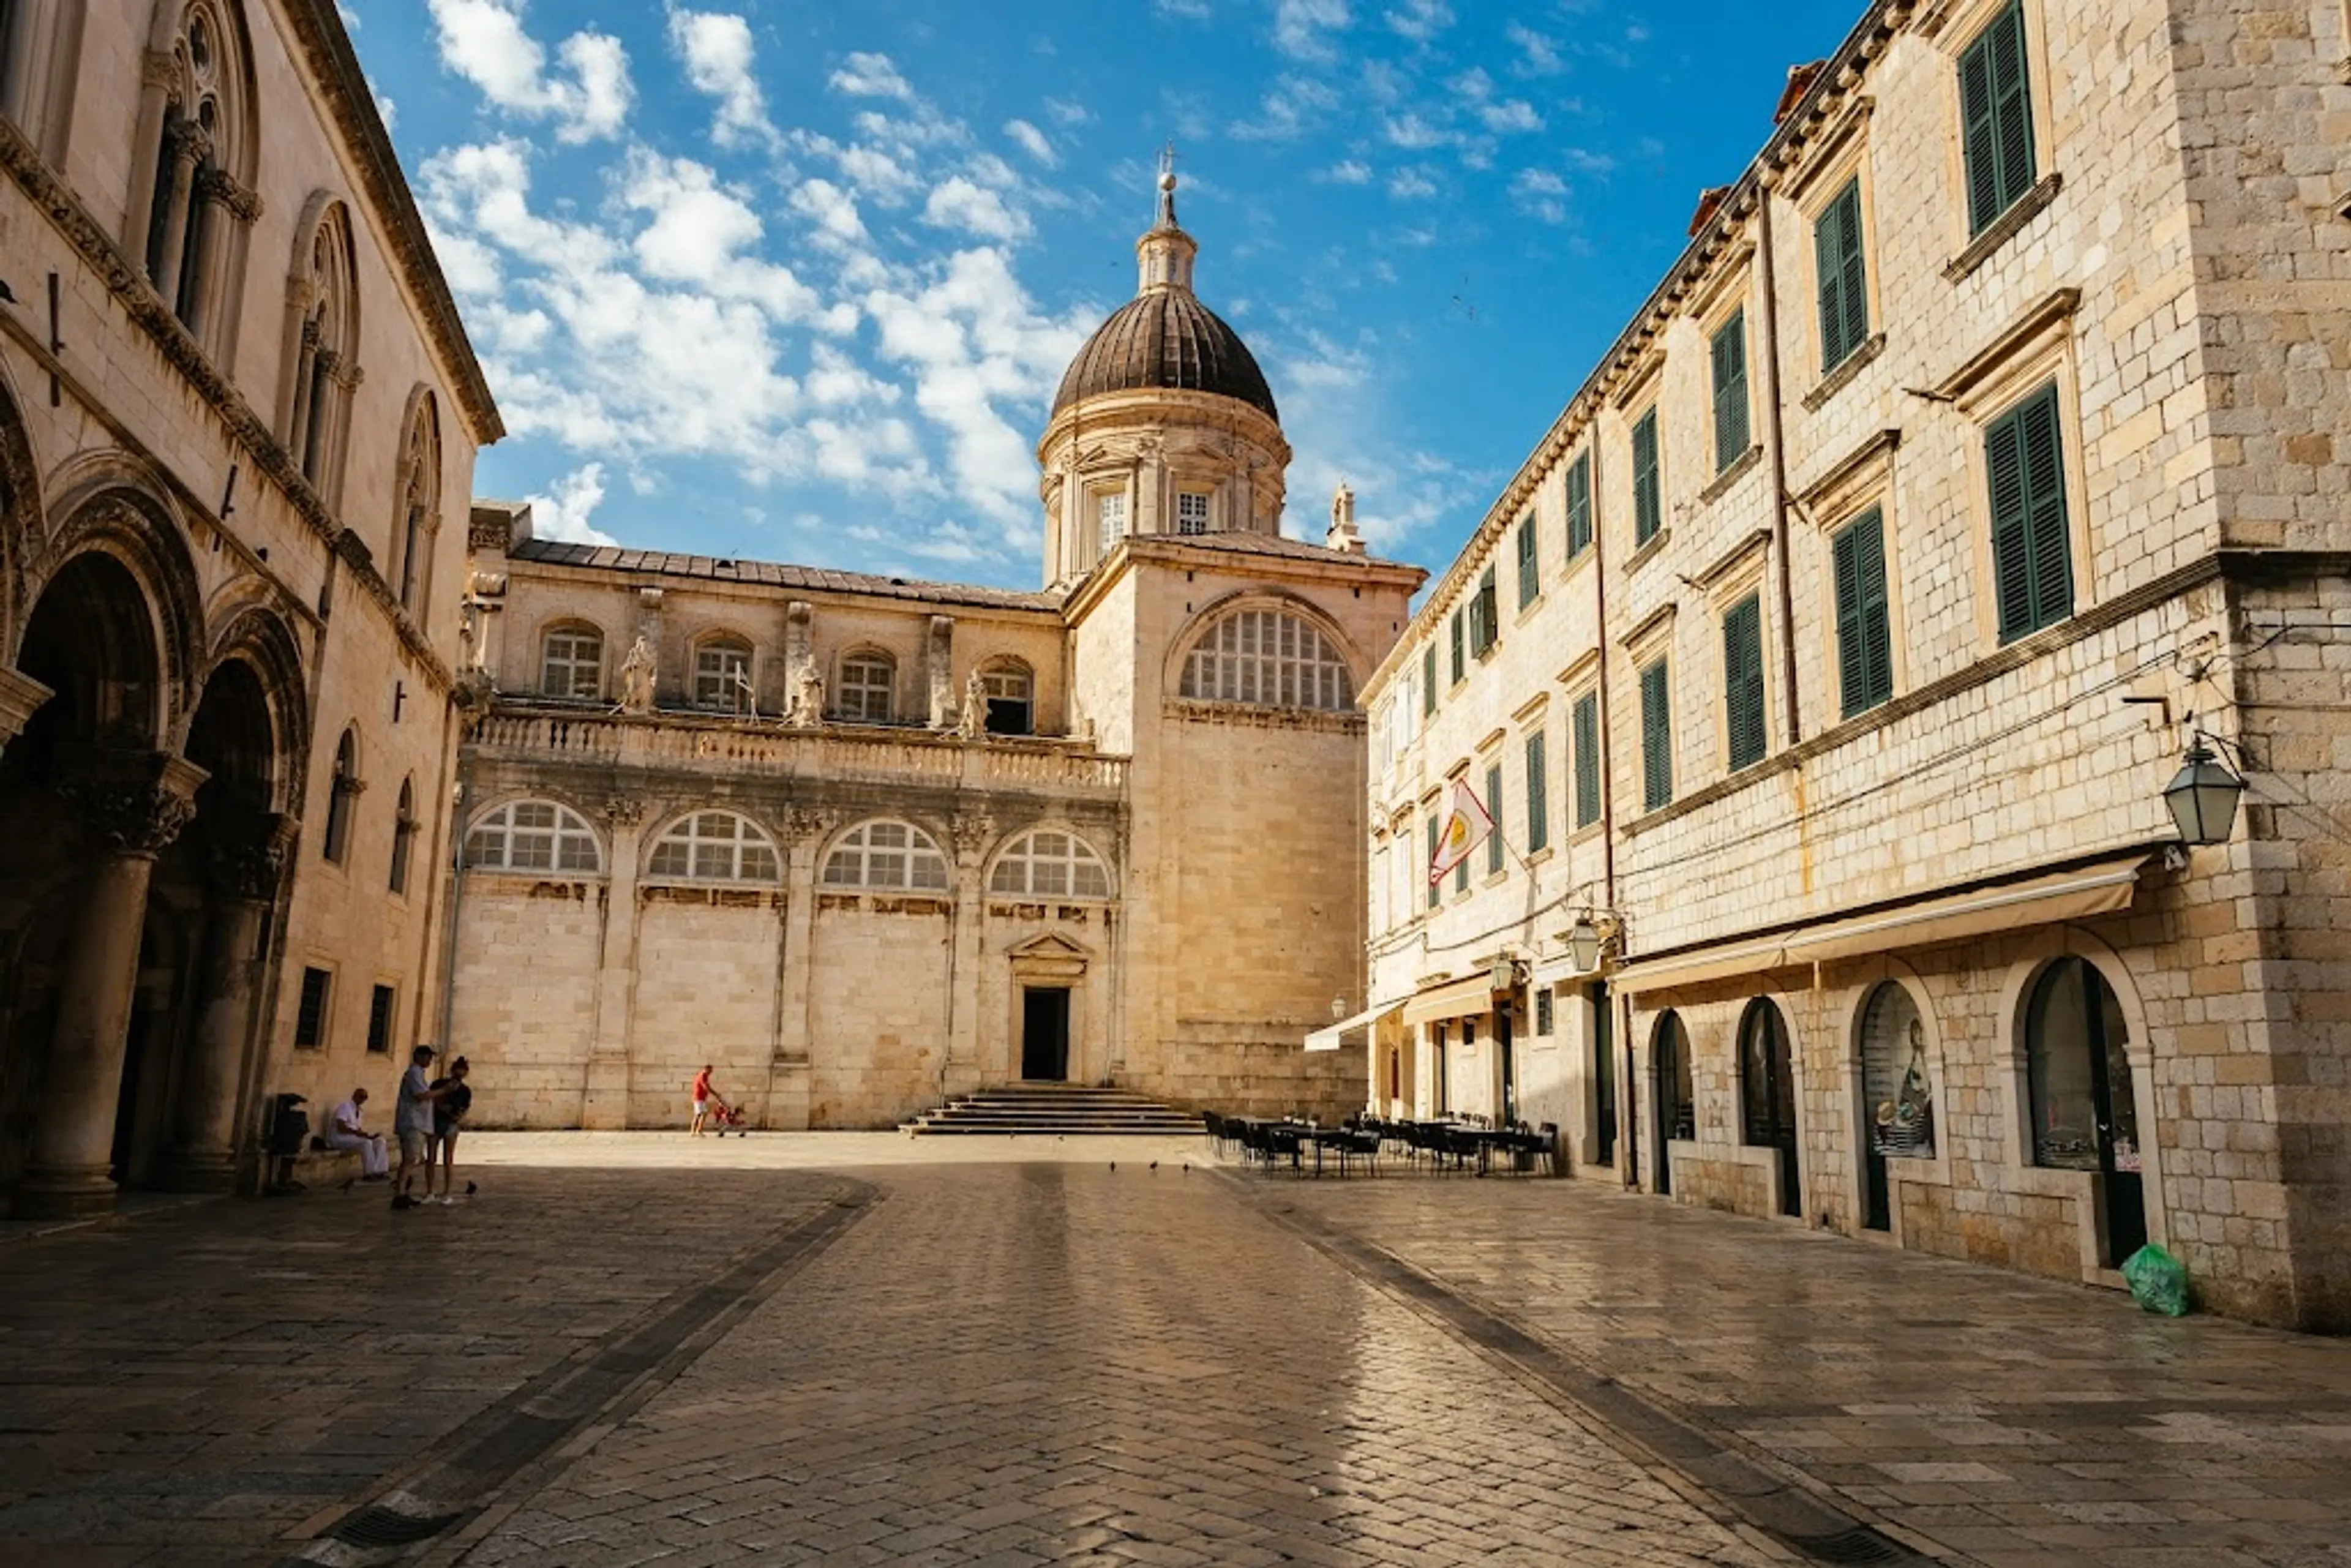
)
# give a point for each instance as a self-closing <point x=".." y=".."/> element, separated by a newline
<point x="2204" y="797"/>
<point x="1583" y="944"/>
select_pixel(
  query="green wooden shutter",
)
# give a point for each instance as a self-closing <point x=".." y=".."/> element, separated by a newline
<point x="1648" y="501"/>
<point x="1538" y="795"/>
<point x="1587" y="760"/>
<point x="1435" y="889"/>
<point x="1460" y="666"/>
<point x="1485" y="614"/>
<point x="1996" y="117"/>
<point x="1730" y="412"/>
<point x="1742" y="680"/>
<point x="1494" y="810"/>
<point x="1656" y="738"/>
<point x="1845" y="280"/>
<point x="2032" y="554"/>
<point x="1865" y="647"/>
<point x="1530" y="567"/>
<point x="1428" y="680"/>
<point x="1579" y="507"/>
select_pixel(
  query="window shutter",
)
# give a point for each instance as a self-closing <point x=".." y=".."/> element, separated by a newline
<point x="1656" y="738"/>
<point x="1579" y="507"/>
<point x="1460" y="668"/>
<point x="1538" y="795"/>
<point x="1587" y="760"/>
<point x="1494" y="810"/>
<point x="1845" y="284"/>
<point x="1742" y="680"/>
<point x="2044" y="480"/>
<point x="1852" y="658"/>
<point x="1865" y="651"/>
<point x="1436" y="892"/>
<point x="1529" y="563"/>
<point x="1857" y="272"/>
<point x="2012" y="115"/>
<point x="1978" y="102"/>
<point x="2012" y="554"/>
<point x="1648" y="503"/>
<point x="1485" y="619"/>
<point x="1730" y="391"/>
<point x="1428" y="680"/>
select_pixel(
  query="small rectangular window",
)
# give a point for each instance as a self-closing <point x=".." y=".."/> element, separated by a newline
<point x="1485" y="628"/>
<point x="1843" y="277"/>
<point x="1543" y="1021"/>
<point x="1494" y="809"/>
<point x="1461" y="664"/>
<point x="310" y="1015"/>
<point x="1191" y="512"/>
<point x="1579" y="507"/>
<point x="380" y="1021"/>
<point x="1587" y="760"/>
<point x="2032" y="554"/>
<point x="1648" y="488"/>
<point x="1428" y="680"/>
<point x="1538" y="795"/>
<point x="1109" y="520"/>
<point x="1657" y="737"/>
<point x="1530" y="568"/>
<point x="1435" y="886"/>
<point x="1996" y="119"/>
<point x="1742" y="682"/>
<point x="1865" y="638"/>
<point x="1730" y="410"/>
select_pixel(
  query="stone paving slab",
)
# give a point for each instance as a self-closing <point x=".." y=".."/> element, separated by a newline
<point x="1069" y="1364"/>
<point x="187" y="1387"/>
<point x="2013" y="1420"/>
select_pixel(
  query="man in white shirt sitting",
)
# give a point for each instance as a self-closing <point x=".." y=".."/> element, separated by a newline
<point x="344" y="1133"/>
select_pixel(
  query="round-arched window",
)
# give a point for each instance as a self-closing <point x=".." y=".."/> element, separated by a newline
<point x="1050" y="863"/>
<point x="1893" y="1075"/>
<point x="534" y="835"/>
<point x="886" y="856"/>
<point x="716" y="846"/>
<point x="1268" y="658"/>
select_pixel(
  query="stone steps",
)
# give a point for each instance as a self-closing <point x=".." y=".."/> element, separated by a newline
<point x="1031" y="1109"/>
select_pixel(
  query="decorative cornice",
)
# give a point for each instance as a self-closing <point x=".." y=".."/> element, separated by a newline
<point x="1837" y="380"/>
<point x="326" y="48"/>
<point x="1874" y="450"/>
<point x="2050" y="313"/>
<point x="2021" y="212"/>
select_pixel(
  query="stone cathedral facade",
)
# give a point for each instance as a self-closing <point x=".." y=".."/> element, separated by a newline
<point x="867" y="844"/>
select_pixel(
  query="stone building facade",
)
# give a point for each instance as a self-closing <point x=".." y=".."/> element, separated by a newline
<point x="865" y="844"/>
<point x="235" y="407"/>
<point x="1990" y="445"/>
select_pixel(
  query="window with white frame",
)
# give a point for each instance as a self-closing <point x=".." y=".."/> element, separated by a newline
<point x="1049" y="864"/>
<point x="886" y="856"/>
<point x="571" y="662"/>
<point x="1110" y="519"/>
<point x="866" y="683"/>
<point x="1191" y="512"/>
<point x="716" y="846"/>
<point x="534" y="835"/>
<point x="1269" y="658"/>
<point x="722" y="674"/>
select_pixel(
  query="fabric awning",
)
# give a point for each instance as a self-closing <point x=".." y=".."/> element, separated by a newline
<point x="1457" y="998"/>
<point x="2102" y="888"/>
<point x="1334" y="1037"/>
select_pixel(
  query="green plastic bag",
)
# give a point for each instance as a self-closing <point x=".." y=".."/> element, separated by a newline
<point x="2157" y="1280"/>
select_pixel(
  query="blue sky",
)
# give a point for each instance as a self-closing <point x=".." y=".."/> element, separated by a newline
<point x="796" y="281"/>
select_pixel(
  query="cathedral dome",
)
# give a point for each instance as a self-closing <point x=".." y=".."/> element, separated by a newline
<point x="1165" y="338"/>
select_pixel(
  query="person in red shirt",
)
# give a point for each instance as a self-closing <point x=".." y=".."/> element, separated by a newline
<point x="702" y="1095"/>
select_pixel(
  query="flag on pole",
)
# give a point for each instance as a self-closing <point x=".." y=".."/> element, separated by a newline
<point x="1466" y="827"/>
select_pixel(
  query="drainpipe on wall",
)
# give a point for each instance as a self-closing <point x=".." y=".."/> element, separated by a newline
<point x="1629" y="1159"/>
<point x="1773" y="405"/>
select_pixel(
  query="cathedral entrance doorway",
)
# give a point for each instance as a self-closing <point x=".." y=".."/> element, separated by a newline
<point x="1045" y="1033"/>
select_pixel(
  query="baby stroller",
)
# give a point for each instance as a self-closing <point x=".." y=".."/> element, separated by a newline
<point x="725" y="1118"/>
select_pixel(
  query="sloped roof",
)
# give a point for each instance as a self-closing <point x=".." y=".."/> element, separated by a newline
<point x="776" y="574"/>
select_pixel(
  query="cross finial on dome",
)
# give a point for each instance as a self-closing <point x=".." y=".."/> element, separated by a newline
<point x="1164" y="252"/>
<point x="1168" y="187"/>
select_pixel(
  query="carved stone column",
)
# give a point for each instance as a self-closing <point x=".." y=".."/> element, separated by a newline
<point x="191" y="145"/>
<point x="605" y="1105"/>
<point x="789" y="1072"/>
<point x="248" y="862"/>
<point x="132" y="804"/>
<point x="974" y="832"/>
<point x="20" y="698"/>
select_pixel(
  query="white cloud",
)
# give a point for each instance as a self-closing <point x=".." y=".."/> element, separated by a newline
<point x="715" y="48"/>
<point x="1301" y="27"/>
<point x="1067" y="113"/>
<point x="1183" y="10"/>
<point x="1347" y="172"/>
<point x="871" y="75"/>
<point x="562" y="510"/>
<point x="484" y="41"/>
<point x="834" y="209"/>
<point x="1510" y="115"/>
<point x="1411" y="185"/>
<point x="1414" y="133"/>
<point x="1540" y="195"/>
<point x="1537" y="54"/>
<point x="959" y="204"/>
<point x="1293" y="107"/>
<point x="1033" y="141"/>
<point x="1420" y="20"/>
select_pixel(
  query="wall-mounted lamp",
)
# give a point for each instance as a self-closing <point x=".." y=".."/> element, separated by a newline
<point x="2203" y="796"/>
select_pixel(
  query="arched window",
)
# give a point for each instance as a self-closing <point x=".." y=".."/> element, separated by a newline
<point x="419" y="518"/>
<point x="1893" y="1075"/>
<point x="1767" y="1086"/>
<point x="867" y="681"/>
<point x="1012" y="704"/>
<point x="2085" y="1110"/>
<point x="722" y="674"/>
<point x="192" y="187"/>
<point x="716" y="846"/>
<point x="404" y="835"/>
<point x="534" y="835"/>
<point x="886" y="856"/>
<point x="323" y="311"/>
<point x="1048" y="864"/>
<point x="1269" y="658"/>
<point x="343" y="798"/>
<point x="1676" y="1091"/>
<point x="571" y="662"/>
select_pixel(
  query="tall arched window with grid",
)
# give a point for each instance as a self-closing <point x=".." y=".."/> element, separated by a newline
<point x="886" y="856"/>
<point x="1268" y="658"/>
<point x="534" y="835"/>
<point x="1049" y="864"/>
<point x="716" y="846"/>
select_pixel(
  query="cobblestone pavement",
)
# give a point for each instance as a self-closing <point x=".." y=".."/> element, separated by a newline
<point x="2016" y="1420"/>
